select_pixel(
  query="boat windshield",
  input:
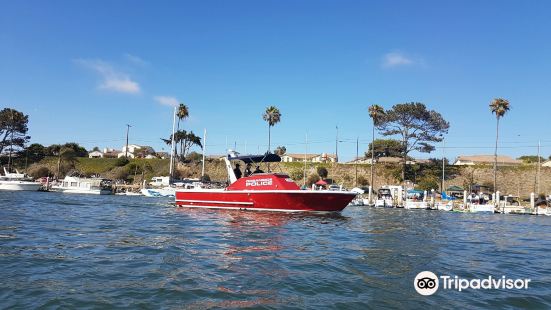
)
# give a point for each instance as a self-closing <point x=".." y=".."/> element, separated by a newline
<point x="257" y="163"/>
<point x="256" y="159"/>
<point x="415" y="195"/>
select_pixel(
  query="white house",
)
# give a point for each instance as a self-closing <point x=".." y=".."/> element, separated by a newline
<point x="134" y="149"/>
<point x="95" y="154"/>
<point x="547" y="163"/>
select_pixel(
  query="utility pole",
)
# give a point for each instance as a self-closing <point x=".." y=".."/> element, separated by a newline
<point x="356" y="165"/>
<point x="539" y="166"/>
<point x="126" y="149"/>
<point x="337" y="145"/>
<point x="172" y="145"/>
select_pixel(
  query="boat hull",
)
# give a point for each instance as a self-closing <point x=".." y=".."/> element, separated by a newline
<point x="19" y="186"/>
<point x="481" y="208"/>
<point x="158" y="192"/>
<point x="82" y="191"/>
<point x="415" y="205"/>
<point x="284" y="201"/>
<point x="384" y="203"/>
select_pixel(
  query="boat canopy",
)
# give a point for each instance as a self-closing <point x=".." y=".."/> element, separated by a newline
<point x="252" y="159"/>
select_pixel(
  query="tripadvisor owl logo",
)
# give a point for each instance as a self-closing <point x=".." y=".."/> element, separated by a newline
<point x="426" y="283"/>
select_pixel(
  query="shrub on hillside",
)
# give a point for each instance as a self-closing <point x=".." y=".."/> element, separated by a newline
<point x="122" y="161"/>
<point x="194" y="157"/>
<point x="39" y="172"/>
<point x="119" y="173"/>
<point x="428" y="183"/>
<point x="362" y="181"/>
<point x="313" y="178"/>
<point x="296" y="174"/>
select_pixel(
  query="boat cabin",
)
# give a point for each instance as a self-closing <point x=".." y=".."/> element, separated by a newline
<point x="249" y="165"/>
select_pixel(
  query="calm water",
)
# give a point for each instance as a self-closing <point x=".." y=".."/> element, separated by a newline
<point x="69" y="251"/>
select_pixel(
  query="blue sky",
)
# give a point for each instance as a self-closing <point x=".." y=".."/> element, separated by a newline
<point x="83" y="70"/>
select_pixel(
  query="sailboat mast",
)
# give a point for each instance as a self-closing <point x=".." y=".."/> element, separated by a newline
<point x="172" y="146"/>
<point x="204" y="150"/>
<point x="443" y="165"/>
<point x="305" y="154"/>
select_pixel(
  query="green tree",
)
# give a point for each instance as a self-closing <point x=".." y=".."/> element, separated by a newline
<point x="322" y="172"/>
<point x="13" y="129"/>
<point x="499" y="107"/>
<point x="416" y="126"/>
<point x="53" y="150"/>
<point x="34" y="152"/>
<point x="185" y="140"/>
<point x="272" y="116"/>
<point x="280" y="150"/>
<point x="78" y="150"/>
<point x="384" y="148"/>
<point x="67" y="157"/>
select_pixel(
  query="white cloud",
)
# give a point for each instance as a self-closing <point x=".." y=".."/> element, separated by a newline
<point x="135" y="60"/>
<point x="112" y="80"/>
<point x="396" y="59"/>
<point x="167" y="100"/>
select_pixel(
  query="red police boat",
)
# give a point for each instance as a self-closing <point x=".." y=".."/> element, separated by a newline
<point x="263" y="192"/>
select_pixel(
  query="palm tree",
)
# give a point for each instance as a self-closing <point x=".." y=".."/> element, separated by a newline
<point x="499" y="107"/>
<point x="376" y="112"/>
<point x="182" y="113"/>
<point x="272" y="116"/>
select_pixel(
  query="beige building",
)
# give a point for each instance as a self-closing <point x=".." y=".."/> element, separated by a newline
<point x="313" y="158"/>
<point x="471" y="160"/>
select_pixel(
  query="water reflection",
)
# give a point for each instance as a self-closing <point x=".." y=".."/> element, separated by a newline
<point x="131" y="252"/>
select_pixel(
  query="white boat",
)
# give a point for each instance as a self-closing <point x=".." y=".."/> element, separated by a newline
<point x="17" y="182"/>
<point x="444" y="205"/>
<point x="473" y="207"/>
<point x="76" y="185"/>
<point x="359" y="200"/>
<point x="167" y="191"/>
<point x="511" y="205"/>
<point x="128" y="194"/>
<point x="384" y="198"/>
<point x="415" y="199"/>
<point x="542" y="210"/>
